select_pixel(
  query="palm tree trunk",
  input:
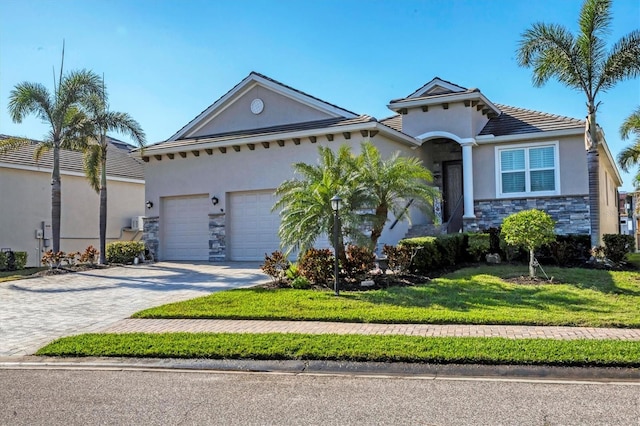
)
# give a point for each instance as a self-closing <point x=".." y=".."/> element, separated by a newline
<point x="103" y="205"/>
<point x="56" y="197"/>
<point x="378" y="225"/>
<point x="593" y="168"/>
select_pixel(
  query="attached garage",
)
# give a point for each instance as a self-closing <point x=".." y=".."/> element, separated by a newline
<point x="185" y="228"/>
<point x="253" y="228"/>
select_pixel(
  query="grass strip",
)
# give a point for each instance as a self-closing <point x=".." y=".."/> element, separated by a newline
<point x="18" y="275"/>
<point x="276" y="346"/>
<point x="577" y="297"/>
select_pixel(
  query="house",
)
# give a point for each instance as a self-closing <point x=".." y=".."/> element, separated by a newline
<point x="210" y="185"/>
<point x="25" y="200"/>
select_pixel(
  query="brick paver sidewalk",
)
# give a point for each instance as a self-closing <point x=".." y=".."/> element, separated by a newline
<point x="317" y="327"/>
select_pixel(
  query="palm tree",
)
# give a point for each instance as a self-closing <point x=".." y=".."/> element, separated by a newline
<point x="92" y="139"/>
<point x="390" y="184"/>
<point x="61" y="111"/>
<point x="582" y="62"/>
<point x="306" y="201"/>
<point x="631" y="155"/>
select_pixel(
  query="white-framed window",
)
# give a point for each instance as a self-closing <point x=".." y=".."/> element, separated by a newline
<point x="527" y="170"/>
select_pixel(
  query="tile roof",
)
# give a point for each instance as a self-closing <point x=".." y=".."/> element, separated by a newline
<point x="119" y="162"/>
<point x="514" y="121"/>
<point x="325" y="125"/>
<point x="395" y="122"/>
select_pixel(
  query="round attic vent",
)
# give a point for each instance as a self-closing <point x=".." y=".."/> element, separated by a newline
<point x="257" y="106"/>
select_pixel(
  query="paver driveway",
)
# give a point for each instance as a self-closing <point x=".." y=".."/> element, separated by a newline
<point x="37" y="310"/>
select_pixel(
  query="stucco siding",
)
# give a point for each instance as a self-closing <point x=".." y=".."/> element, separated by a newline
<point x="261" y="169"/>
<point x="457" y="120"/>
<point x="572" y="162"/>
<point x="278" y="110"/>
<point x="609" y="213"/>
<point x="26" y="203"/>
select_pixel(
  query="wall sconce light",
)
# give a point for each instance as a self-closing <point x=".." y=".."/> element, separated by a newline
<point x="214" y="200"/>
<point x="149" y="204"/>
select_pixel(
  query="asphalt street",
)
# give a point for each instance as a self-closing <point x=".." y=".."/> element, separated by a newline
<point x="38" y="397"/>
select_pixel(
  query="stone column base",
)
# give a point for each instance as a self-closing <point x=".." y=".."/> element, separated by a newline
<point x="470" y="224"/>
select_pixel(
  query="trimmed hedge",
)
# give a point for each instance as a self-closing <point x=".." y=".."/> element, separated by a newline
<point x="616" y="246"/>
<point x="445" y="252"/>
<point x="124" y="251"/>
<point x="12" y="262"/>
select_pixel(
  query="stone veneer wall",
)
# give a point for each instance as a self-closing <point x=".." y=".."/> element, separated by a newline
<point x="150" y="235"/>
<point x="217" y="244"/>
<point x="570" y="213"/>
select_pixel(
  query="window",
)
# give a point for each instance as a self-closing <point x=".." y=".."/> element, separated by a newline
<point x="530" y="170"/>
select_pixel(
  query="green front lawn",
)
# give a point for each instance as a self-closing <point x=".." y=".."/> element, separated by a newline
<point x="351" y="348"/>
<point x="17" y="275"/>
<point x="577" y="297"/>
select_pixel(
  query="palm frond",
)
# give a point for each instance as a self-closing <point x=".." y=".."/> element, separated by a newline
<point x="30" y="98"/>
<point x="623" y="61"/>
<point x="41" y="149"/>
<point x="92" y="160"/>
<point x="13" y="144"/>
<point x="631" y="125"/>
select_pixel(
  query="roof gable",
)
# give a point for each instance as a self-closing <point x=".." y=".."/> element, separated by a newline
<point x="304" y="107"/>
<point x="437" y="86"/>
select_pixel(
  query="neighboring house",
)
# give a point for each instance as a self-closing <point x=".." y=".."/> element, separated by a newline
<point x="210" y="186"/>
<point x="25" y="200"/>
<point x="627" y="208"/>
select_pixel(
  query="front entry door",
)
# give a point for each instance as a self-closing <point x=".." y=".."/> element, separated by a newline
<point x="452" y="187"/>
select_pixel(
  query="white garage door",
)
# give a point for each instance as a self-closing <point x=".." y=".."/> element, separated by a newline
<point x="253" y="228"/>
<point x="185" y="228"/>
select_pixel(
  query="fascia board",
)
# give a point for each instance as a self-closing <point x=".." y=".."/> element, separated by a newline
<point x="491" y="139"/>
<point x="231" y="140"/>
<point x="443" y="99"/>
<point x="614" y="166"/>
<point x="437" y="82"/>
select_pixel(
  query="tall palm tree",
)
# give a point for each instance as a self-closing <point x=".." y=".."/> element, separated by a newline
<point x="582" y="62"/>
<point x="60" y="110"/>
<point x="631" y="155"/>
<point x="389" y="184"/>
<point x="305" y="201"/>
<point x="93" y="140"/>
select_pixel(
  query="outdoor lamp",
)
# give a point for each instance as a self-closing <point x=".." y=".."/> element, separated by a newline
<point x="214" y="200"/>
<point x="335" y="203"/>
<point x="335" y="206"/>
<point x="149" y="204"/>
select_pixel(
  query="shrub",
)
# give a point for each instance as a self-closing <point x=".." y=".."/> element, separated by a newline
<point x="452" y="249"/>
<point x="124" y="251"/>
<point x="89" y="256"/>
<point x="398" y="257"/>
<point x="13" y="260"/>
<point x="317" y="265"/>
<point x="530" y="229"/>
<point x="478" y="246"/>
<point x="70" y="258"/>
<point x="427" y="256"/>
<point x="567" y="250"/>
<point x="52" y="259"/>
<point x="300" y="283"/>
<point x="20" y="259"/>
<point x="292" y="272"/>
<point x="360" y="261"/>
<point x="616" y="246"/>
<point x="275" y="266"/>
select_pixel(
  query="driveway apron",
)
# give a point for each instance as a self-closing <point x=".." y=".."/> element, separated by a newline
<point x="36" y="311"/>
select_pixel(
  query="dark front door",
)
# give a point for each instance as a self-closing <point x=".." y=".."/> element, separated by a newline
<point x="452" y="187"/>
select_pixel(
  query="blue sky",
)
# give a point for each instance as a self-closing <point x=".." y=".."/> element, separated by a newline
<point x="165" y="61"/>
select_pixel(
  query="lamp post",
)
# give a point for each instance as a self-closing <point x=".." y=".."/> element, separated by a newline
<point x="335" y="206"/>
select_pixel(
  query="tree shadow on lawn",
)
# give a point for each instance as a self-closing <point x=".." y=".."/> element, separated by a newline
<point x="472" y="294"/>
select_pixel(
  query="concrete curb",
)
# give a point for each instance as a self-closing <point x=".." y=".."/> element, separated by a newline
<point x="423" y="371"/>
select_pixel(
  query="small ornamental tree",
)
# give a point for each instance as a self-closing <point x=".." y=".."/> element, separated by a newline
<point x="530" y="229"/>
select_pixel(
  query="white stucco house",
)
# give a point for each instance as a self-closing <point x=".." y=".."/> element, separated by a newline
<point x="209" y="187"/>
<point x="25" y="201"/>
